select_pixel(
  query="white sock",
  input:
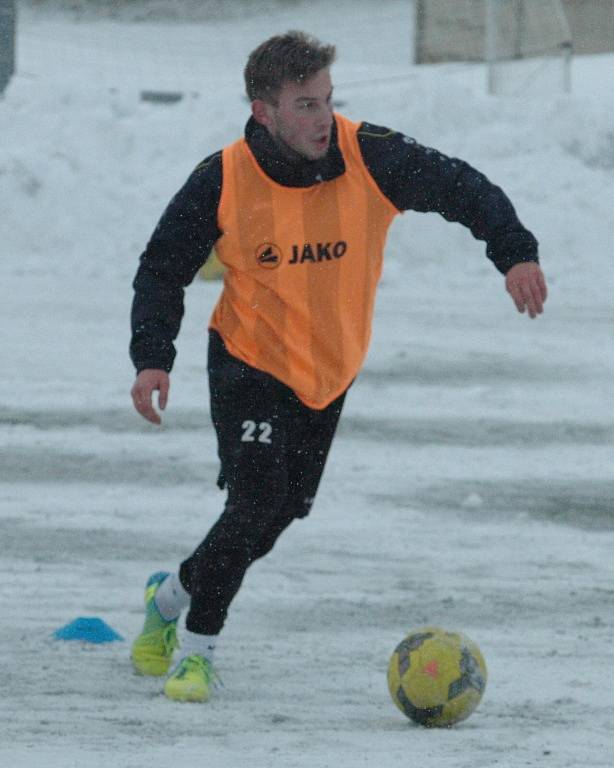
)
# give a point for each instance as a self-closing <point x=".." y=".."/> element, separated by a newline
<point x="200" y="645"/>
<point x="171" y="598"/>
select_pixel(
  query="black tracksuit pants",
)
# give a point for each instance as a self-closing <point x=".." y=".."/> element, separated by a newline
<point x="273" y="449"/>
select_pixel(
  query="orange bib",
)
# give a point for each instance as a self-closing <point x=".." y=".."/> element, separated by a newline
<point x="302" y="270"/>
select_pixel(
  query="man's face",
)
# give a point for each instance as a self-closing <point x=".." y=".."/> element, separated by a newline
<point x="302" y="118"/>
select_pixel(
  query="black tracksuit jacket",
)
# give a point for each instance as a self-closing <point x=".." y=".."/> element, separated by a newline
<point x="412" y="177"/>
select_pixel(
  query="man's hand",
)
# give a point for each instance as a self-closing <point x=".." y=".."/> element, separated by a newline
<point x="146" y="382"/>
<point x="526" y="284"/>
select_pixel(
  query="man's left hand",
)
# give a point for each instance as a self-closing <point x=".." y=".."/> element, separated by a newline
<point x="526" y="285"/>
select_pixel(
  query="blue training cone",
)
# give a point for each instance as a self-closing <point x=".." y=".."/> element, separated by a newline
<point x="88" y="630"/>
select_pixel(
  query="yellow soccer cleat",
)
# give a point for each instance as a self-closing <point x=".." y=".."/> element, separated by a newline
<point x="192" y="680"/>
<point x="152" y="650"/>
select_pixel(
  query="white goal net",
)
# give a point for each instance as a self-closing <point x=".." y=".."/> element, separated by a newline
<point x="528" y="47"/>
<point x="526" y="43"/>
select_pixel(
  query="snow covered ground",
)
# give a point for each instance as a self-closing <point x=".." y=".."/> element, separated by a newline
<point x="471" y="483"/>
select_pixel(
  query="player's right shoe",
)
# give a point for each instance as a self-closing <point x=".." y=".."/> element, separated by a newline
<point x="193" y="679"/>
<point x="152" y="650"/>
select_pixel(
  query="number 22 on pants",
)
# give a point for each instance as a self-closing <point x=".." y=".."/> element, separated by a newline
<point x="253" y="432"/>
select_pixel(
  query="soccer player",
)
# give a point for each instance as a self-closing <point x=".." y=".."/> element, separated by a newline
<point x="298" y="210"/>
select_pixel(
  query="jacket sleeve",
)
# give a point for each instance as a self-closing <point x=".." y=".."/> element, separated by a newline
<point x="419" y="178"/>
<point x="179" y="246"/>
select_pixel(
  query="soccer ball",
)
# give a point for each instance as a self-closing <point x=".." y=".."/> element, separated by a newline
<point x="435" y="677"/>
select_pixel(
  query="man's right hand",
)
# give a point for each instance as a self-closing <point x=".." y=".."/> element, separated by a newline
<point x="146" y="383"/>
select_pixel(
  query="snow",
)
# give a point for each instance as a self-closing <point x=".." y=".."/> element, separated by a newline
<point x="471" y="481"/>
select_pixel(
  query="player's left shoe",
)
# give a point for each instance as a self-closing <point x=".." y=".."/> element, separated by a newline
<point x="152" y="650"/>
<point x="192" y="680"/>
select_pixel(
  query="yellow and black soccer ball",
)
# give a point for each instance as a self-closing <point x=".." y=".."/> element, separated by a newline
<point x="436" y="678"/>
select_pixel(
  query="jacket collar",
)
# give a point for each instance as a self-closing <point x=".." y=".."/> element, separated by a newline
<point x="292" y="171"/>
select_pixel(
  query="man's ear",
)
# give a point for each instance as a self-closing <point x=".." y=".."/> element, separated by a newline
<point x="260" y="111"/>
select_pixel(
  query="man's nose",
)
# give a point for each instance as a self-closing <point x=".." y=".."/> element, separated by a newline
<point x="325" y="118"/>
